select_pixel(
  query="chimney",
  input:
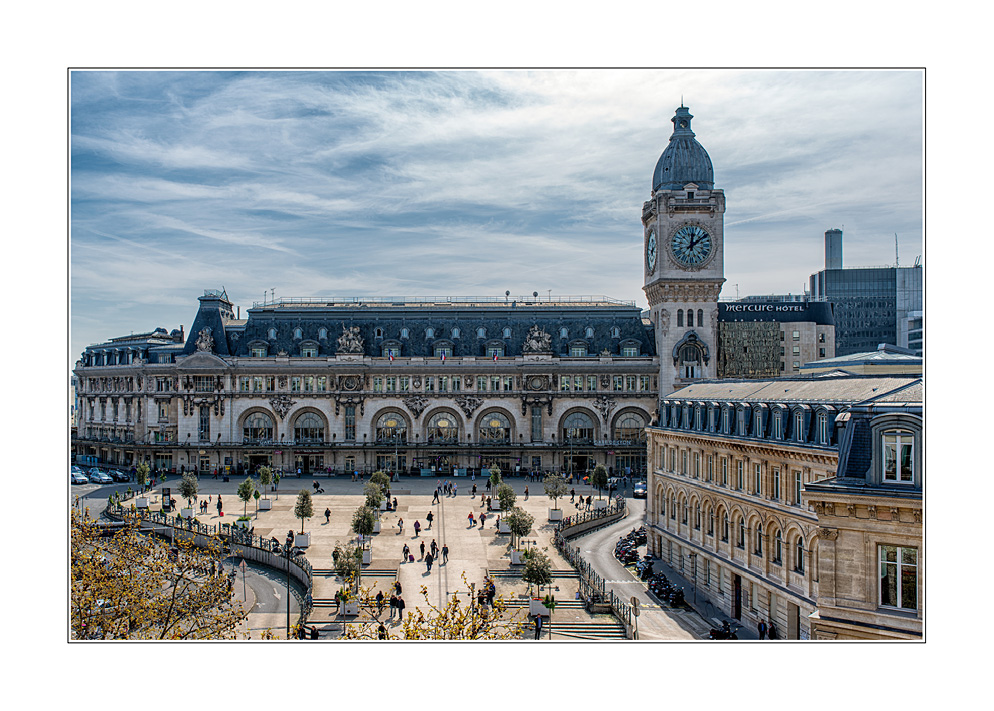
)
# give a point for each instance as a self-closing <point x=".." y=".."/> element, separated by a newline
<point x="182" y="334"/>
<point x="833" y="249"/>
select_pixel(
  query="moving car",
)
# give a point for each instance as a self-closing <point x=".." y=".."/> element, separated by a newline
<point x="118" y="475"/>
<point x="99" y="477"/>
<point x="639" y="490"/>
<point x="78" y="478"/>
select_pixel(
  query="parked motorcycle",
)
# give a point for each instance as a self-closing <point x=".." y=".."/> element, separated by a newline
<point x="724" y="632"/>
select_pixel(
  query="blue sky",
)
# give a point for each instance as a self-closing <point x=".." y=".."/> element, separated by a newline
<point x="464" y="182"/>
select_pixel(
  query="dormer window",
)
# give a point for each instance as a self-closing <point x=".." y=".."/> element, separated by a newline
<point x="309" y="351"/>
<point x="506" y="333"/>
<point x="272" y="334"/>
<point x="898" y="457"/>
<point x="564" y="332"/>
<point x="456" y="332"/>
<point x="405" y="333"/>
<point x="323" y="333"/>
<point x="481" y="332"/>
<point x="589" y="333"/>
<point x="297" y="334"/>
<point x="615" y="332"/>
<point x="429" y="333"/>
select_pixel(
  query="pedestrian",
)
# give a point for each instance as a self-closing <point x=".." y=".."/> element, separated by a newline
<point x="397" y="588"/>
<point x="483" y="520"/>
<point x="491" y="593"/>
<point x="430" y="517"/>
<point x="489" y="507"/>
<point x="434" y="548"/>
<point x="761" y="627"/>
<point x="434" y="499"/>
<point x="220" y="506"/>
<point x="428" y="561"/>
<point x="422" y="551"/>
<point x="327" y="515"/>
<point x="488" y="485"/>
<point x="455" y="489"/>
<point x="471" y="521"/>
<point x="395" y="503"/>
<point x="407" y="552"/>
<point x="400" y="607"/>
<point x="445" y="552"/>
<point x="526" y="493"/>
<point x="588" y="502"/>
<point x="538" y="626"/>
<point x="393" y="605"/>
<point x="379" y="602"/>
<point x="473" y="495"/>
<point x="381" y="632"/>
<point x="417" y="528"/>
<point x="400" y="526"/>
<point x="772" y="632"/>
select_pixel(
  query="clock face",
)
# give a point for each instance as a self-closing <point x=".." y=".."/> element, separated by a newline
<point x="650" y="250"/>
<point x="691" y="245"/>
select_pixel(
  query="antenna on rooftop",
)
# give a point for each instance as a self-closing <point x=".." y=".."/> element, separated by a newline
<point x="897" y="259"/>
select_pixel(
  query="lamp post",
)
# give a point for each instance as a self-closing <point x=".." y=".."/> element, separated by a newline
<point x="693" y="558"/>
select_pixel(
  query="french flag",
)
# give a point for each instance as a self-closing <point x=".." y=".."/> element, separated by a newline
<point x="391" y="357"/>
<point x="443" y="356"/>
<point x="495" y="357"/>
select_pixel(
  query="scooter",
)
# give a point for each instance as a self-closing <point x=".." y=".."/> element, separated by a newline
<point x="724" y="632"/>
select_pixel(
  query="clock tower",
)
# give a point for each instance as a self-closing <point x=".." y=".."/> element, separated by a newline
<point x="683" y="259"/>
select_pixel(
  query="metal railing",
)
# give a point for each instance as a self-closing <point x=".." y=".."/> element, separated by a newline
<point x="323" y="301"/>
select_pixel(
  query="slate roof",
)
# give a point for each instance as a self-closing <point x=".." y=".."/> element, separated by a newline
<point x="684" y="160"/>
<point x="847" y="389"/>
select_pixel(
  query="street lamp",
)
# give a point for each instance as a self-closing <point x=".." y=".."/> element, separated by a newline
<point x="693" y="558"/>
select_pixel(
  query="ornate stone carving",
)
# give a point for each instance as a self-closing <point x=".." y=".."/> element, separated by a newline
<point x="351" y="382"/>
<point x="872" y="511"/>
<point x="829" y="534"/>
<point x="714" y="321"/>
<point x="283" y="381"/>
<point x="468" y="404"/>
<point x="895" y="514"/>
<point x="282" y="354"/>
<point x="664" y="322"/>
<point x="918" y="515"/>
<point x="851" y="510"/>
<point x="281" y="404"/>
<point x="417" y="381"/>
<point x="205" y="341"/>
<point x="416" y="404"/>
<point x="604" y="404"/>
<point x="537" y="382"/>
<point x="350" y="400"/>
<point x="537" y="341"/>
<point x="605" y="381"/>
<point x="350" y="341"/>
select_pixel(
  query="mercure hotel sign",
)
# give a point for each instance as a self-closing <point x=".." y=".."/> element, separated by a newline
<point x="765" y="307"/>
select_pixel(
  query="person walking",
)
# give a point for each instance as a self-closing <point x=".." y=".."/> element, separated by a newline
<point x="526" y="493"/>
<point x="400" y="526"/>
<point x="400" y="607"/>
<point x="407" y="552"/>
<point x="417" y="529"/>
<point x="430" y="517"/>
<point x="393" y="605"/>
<point x="455" y="489"/>
<point x="772" y="632"/>
<point x="381" y="632"/>
<point x="473" y="495"/>
<point x="491" y="592"/>
<point x="435" y="498"/>
<point x="220" y="506"/>
<point x="428" y="561"/>
<point x="445" y="553"/>
<point x="761" y="628"/>
<point x="471" y="521"/>
<point x="483" y="520"/>
<point x="434" y="549"/>
<point x="395" y="503"/>
<point x="398" y="590"/>
<point x="422" y="551"/>
<point x="327" y="515"/>
<point x="589" y="500"/>
<point x="379" y="603"/>
<point x="538" y="626"/>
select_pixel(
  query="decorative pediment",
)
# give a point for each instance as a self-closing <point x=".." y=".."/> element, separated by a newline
<point x="537" y="341"/>
<point x="201" y="360"/>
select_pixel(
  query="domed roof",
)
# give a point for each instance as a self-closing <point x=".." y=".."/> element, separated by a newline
<point x="684" y="160"/>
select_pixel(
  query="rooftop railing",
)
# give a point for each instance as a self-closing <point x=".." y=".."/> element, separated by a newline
<point x="325" y="301"/>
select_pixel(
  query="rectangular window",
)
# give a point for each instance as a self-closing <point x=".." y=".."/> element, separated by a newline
<point x="740" y="475"/>
<point x="645" y="383"/>
<point x="710" y="467"/>
<point x="456" y="384"/>
<point x="619" y="383"/>
<point x="405" y="383"/>
<point x="591" y="383"/>
<point x="350" y="423"/>
<point x="295" y="382"/>
<point x="776" y="483"/>
<point x="797" y="364"/>
<point x="495" y="351"/>
<point x="578" y="351"/>
<point x="578" y="383"/>
<point x="322" y="383"/>
<point x="821" y="352"/>
<point x="672" y="466"/>
<point x="430" y="384"/>
<point x="203" y="383"/>
<point x="377" y="384"/>
<point x="259" y="352"/>
<point x="494" y="384"/>
<point x="697" y="465"/>
<point x="309" y="352"/>
<point x="115" y="408"/>
<point x="163" y="410"/>
<point x="797" y="488"/>
<point x="684" y="462"/>
<point x="565" y="383"/>
<point x="898" y="577"/>
<point x="308" y="383"/>
<point x="508" y="384"/>
<point x="258" y="384"/>
<point x="630" y="381"/>
<point x="481" y="384"/>
<point x="757" y="484"/>
<point x="440" y="351"/>
<point x="630" y="352"/>
<point x="204" y="431"/>
<point x="899" y="457"/>
<point x="796" y="335"/>
<point x="724" y="471"/>
<point x="536" y="424"/>
<point x="443" y="383"/>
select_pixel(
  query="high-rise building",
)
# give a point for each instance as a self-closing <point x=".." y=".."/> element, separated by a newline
<point x="873" y="305"/>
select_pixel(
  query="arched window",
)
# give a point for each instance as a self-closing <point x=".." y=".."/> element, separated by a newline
<point x="378" y="333"/>
<point x="298" y="334"/>
<point x="742" y="533"/>
<point x="630" y="426"/>
<point x="759" y="540"/>
<point x="710" y="523"/>
<point x="724" y="529"/>
<point x="481" y="332"/>
<point x="506" y="332"/>
<point x="272" y="333"/>
<point x="564" y="332"/>
<point x="679" y="317"/>
<point x="308" y="428"/>
<point x="799" y="426"/>
<point x="690" y="360"/>
<point x="443" y="429"/>
<point x="700" y="317"/>
<point x="322" y="333"/>
<point x="405" y="333"/>
<point x="777" y="547"/>
<point x="578" y="428"/>
<point x="589" y="333"/>
<point x="495" y="428"/>
<point x="429" y="333"/>
<point x="456" y="332"/>
<point x="615" y="332"/>
<point x="799" y="555"/>
<point x="391" y="428"/>
<point x="690" y="318"/>
<point x="258" y="427"/>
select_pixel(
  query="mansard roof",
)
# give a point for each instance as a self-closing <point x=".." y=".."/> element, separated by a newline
<point x="842" y="389"/>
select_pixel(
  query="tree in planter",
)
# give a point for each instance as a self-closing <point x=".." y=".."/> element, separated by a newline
<point x="374" y="495"/>
<point x="538" y="570"/>
<point x="363" y="521"/>
<point x="495" y="477"/>
<point x="141" y="475"/>
<point x="245" y="491"/>
<point x="506" y="497"/>
<point x="519" y="521"/>
<point x="265" y="478"/>
<point x="304" y="508"/>
<point x="381" y="479"/>
<point x="598" y="478"/>
<point x="188" y="487"/>
<point x="555" y="486"/>
<point x="256" y="496"/>
<point x="347" y="559"/>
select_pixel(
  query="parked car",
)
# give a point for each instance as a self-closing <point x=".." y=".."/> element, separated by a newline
<point x="78" y="478"/>
<point x="99" y="477"/>
<point x="118" y="475"/>
<point x="639" y="490"/>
